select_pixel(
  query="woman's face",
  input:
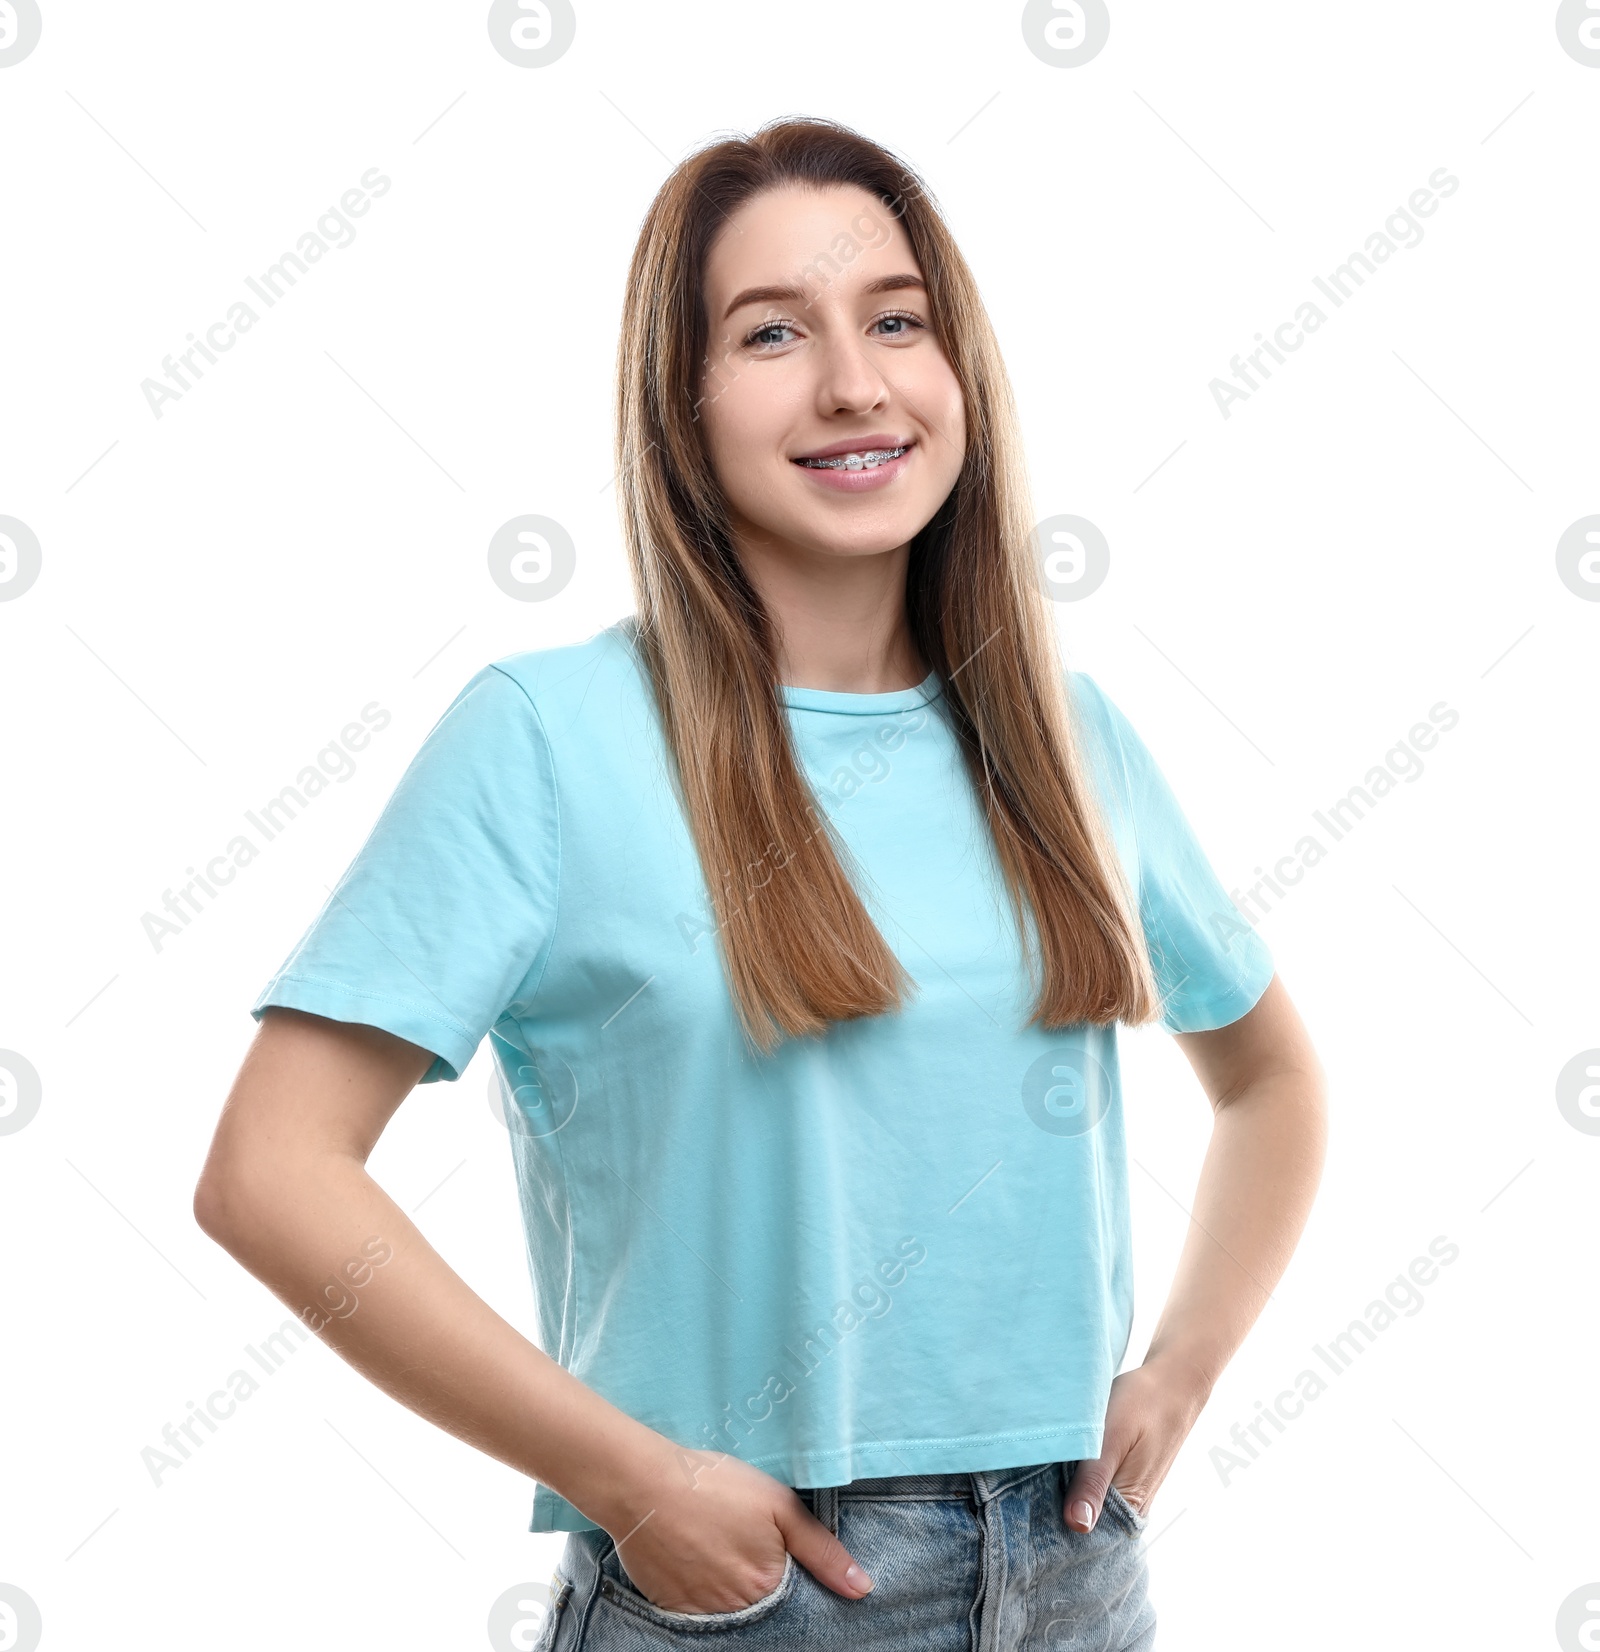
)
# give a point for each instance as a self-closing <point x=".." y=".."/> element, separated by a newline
<point x="821" y="342"/>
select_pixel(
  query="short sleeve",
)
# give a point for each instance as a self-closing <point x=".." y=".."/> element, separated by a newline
<point x="443" y="921"/>
<point x="1210" y="963"/>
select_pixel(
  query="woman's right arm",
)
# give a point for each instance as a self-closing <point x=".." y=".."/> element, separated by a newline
<point x="285" y="1190"/>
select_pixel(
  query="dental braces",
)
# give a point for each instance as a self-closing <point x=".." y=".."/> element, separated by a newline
<point x="857" y="461"/>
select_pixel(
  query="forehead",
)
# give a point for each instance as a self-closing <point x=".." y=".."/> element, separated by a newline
<point x="814" y="238"/>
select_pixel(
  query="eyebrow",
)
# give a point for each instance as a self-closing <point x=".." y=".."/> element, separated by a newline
<point x="798" y="295"/>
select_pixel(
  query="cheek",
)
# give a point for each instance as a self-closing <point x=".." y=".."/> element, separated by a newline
<point x="946" y="412"/>
<point x="940" y="392"/>
<point x="752" y="422"/>
<point x="726" y="435"/>
<point x="739" y="448"/>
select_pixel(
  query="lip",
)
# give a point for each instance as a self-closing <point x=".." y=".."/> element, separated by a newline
<point x="857" y="444"/>
<point x="860" y="481"/>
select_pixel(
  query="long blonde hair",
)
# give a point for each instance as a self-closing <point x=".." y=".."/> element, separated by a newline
<point x="798" y="945"/>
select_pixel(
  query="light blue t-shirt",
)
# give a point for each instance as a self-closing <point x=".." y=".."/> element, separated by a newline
<point x="901" y="1247"/>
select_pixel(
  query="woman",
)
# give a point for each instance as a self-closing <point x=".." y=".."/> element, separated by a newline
<point x="801" y="911"/>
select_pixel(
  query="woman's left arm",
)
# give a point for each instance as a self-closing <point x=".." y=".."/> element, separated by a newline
<point x="1268" y="1095"/>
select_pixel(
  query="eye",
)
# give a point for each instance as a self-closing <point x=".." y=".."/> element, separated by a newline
<point x="752" y="339"/>
<point x="912" y="322"/>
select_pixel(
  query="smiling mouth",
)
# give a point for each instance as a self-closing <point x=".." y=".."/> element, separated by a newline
<point x="869" y="459"/>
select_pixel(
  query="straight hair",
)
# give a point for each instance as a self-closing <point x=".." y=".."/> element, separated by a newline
<point x="799" y="948"/>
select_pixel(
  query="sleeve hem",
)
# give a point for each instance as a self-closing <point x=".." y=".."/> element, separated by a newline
<point x="451" y="1043"/>
<point x="1224" y="1008"/>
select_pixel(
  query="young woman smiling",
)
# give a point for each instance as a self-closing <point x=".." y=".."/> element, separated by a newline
<point x="814" y="1089"/>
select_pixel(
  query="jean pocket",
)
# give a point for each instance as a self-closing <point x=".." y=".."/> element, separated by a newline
<point x="560" y="1589"/>
<point x="1124" y="1510"/>
<point x="616" y="1588"/>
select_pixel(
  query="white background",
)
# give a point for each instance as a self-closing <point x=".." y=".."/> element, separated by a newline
<point x="223" y="588"/>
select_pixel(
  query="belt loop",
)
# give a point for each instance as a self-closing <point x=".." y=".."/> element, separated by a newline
<point x="828" y="1507"/>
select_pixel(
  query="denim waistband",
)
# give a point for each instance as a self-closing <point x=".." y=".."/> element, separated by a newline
<point x="978" y="1486"/>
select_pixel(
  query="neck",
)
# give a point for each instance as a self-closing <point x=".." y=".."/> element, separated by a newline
<point x="839" y="620"/>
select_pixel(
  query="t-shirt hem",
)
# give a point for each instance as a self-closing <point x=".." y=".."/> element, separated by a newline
<point x="454" y="1047"/>
<point x="962" y="1454"/>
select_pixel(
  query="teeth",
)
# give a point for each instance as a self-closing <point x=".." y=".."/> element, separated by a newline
<point x="869" y="460"/>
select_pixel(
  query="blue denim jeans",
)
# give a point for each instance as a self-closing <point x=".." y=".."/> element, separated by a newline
<point x="980" y="1562"/>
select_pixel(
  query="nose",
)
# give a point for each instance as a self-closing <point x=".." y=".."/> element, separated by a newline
<point x="848" y="380"/>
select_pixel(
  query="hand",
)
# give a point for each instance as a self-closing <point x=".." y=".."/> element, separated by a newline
<point x="1148" y="1417"/>
<point x="700" y="1531"/>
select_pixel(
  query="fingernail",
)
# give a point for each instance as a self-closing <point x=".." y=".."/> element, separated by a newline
<point x="1085" y="1514"/>
<point x="858" y="1579"/>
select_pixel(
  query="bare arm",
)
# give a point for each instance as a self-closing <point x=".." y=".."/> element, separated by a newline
<point x="285" y="1190"/>
<point x="1268" y="1096"/>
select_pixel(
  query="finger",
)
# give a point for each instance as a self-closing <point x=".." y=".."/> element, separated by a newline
<point x="822" y="1554"/>
<point x="1086" y="1492"/>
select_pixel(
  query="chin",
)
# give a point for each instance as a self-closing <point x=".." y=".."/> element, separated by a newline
<point x="832" y="537"/>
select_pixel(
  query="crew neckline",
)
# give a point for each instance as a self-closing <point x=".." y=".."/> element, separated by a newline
<point x="861" y="705"/>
